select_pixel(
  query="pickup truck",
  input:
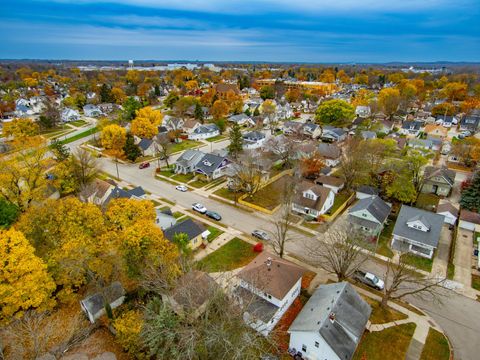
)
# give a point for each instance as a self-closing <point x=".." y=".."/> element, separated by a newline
<point x="369" y="279"/>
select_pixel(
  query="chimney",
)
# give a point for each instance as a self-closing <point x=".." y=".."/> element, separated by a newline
<point x="269" y="262"/>
<point x="332" y="317"/>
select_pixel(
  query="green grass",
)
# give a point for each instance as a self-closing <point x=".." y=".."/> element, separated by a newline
<point x="215" y="183"/>
<point x="198" y="183"/>
<point x="383" y="315"/>
<point x="418" y="262"/>
<point x="270" y="196"/>
<point x="155" y="203"/>
<point x="178" y="214"/>
<point x="183" y="178"/>
<point x="80" y="135"/>
<point x="427" y="201"/>
<point x="166" y="180"/>
<point x="384" y="239"/>
<point x="214" y="233"/>
<point x="78" y="123"/>
<point x="216" y="138"/>
<point x="476" y="282"/>
<point x="227" y="194"/>
<point x="184" y="145"/>
<point x="389" y="344"/>
<point x="234" y="254"/>
<point x="340" y="199"/>
<point x="436" y="347"/>
<point x="167" y="201"/>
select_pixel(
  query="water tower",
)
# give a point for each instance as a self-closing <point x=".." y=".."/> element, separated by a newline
<point x="130" y="64"/>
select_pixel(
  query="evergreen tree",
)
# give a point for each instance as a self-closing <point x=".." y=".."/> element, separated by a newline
<point x="8" y="214"/>
<point x="157" y="90"/>
<point x="248" y="112"/>
<point x="106" y="94"/>
<point x="60" y="150"/>
<point x="256" y="112"/>
<point x="470" y="198"/>
<point x="236" y="141"/>
<point x="131" y="150"/>
<point x="198" y="112"/>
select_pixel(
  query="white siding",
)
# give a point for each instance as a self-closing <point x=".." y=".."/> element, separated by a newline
<point x="322" y="352"/>
<point x="449" y="218"/>
<point x="466" y="225"/>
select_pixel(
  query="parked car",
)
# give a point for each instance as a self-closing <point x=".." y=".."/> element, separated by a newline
<point x="181" y="188"/>
<point x="369" y="279"/>
<point x="213" y="215"/>
<point x="144" y="165"/>
<point x="260" y="234"/>
<point x="199" y="208"/>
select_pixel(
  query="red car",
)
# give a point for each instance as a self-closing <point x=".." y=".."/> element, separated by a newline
<point x="144" y="165"/>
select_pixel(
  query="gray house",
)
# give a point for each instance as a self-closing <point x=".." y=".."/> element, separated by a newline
<point x="438" y="181"/>
<point x="185" y="164"/>
<point x="417" y="231"/>
<point x="331" y="324"/>
<point x="212" y="166"/>
<point x="94" y="305"/>
<point x="369" y="215"/>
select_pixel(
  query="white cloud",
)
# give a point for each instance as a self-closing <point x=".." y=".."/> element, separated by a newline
<point x="153" y="21"/>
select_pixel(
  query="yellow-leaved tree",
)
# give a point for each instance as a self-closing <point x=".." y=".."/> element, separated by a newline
<point x="122" y="213"/>
<point x="146" y="122"/>
<point x="25" y="282"/>
<point x="20" y="128"/>
<point x="113" y="137"/>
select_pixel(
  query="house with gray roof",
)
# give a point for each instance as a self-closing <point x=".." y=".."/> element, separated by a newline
<point x="438" y="181"/>
<point x="253" y="140"/>
<point x="312" y="130"/>
<point x="94" y="306"/>
<point x="164" y="219"/>
<point x="417" y="231"/>
<point x="369" y="215"/>
<point x="331" y="324"/>
<point x="470" y="123"/>
<point x="241" y="120"/>
<point x="194" y="230"/>
<point x="212" y="166"/>
<point x="136" y="193"/>
<point x="203" y="132"/>
<point x="333" y="134"/>
<point x="185" y="164"/>
<point x="91" y="110"/>
<point x="147" y="147"/>
<point x="365" y="191"/>
<point x="367" y="135"/>
<point x="330" y="152"/>
<point x="410" y="128"/>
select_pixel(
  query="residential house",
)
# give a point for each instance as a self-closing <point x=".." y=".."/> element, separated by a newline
<point x="365" y="191"/>
<point x="164" y="219"/>
<point x="432" y="144"/>
<point x="438" y="181"/>
<point x="68" y="115"/>
<point x="417" y="231"/>
<point x="268" y="286"/>
<point x="469" y="220"/>
<point x="91" y="110"/>
<point x="369" y="215"/>
<point x="386" y="126"/>
<point x="192" y="293"/>
<point x="195" y="231"/>
<point x="96" y="192"/>
<point x="331" y="182"/>
<point x="437" y="131"/>
<point x="411" y="128"/>
<point x="107" y="108"/>
<point x="446" y="120"/>
<point x="185" y="164"/>
<point x="449" y="211"/>
<point x="203" y="132"/>
<point x="212" y="166"/>
<point x="331" y="324"/>
<point x="331" y="153"/>
<point x="470" y="123"/>
<point x="189" y="126"/>
<point x="312" y="130"/>
<point x="241" y="120"/>
<point x="148" y="147"/>
<point x="292" y="128"/>
<point x="283" y="111"/>
<point x="253" y="140"/>
<point x="368" y="135"/>
<point x="313" y="200"/>
<point x="94" y="305"/>
<point x="136" y="193"/>
<point x="172" y="123"/>
<point x="333" y="134"/>
<point x="363" y="111"/>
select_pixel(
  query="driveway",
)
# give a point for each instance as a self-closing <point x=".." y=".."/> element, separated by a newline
<point x="440" y="263"/>
<point x="463" y="257"/>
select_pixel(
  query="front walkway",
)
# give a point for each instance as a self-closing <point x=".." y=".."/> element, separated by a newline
<point x="440" y="262"/>
<point x="463" y="257"/>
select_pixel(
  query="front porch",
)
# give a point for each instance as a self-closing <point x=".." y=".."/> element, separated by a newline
<point x="406" y="245"/>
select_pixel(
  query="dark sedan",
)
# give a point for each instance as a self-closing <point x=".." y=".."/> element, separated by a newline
<point x="213" y="215"/>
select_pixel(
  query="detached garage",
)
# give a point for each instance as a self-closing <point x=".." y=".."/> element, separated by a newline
<point x="449" y="211"/>
<point x="469" y="220"/>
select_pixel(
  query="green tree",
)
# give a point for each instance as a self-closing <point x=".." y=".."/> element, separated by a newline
<point x="256" y="112"/>
<point x="198" y="112"/>
<point x="267" y="92"/>
<point x="470" y="197"/>
<point x="130" y="107"/>
<point x="61" y="151"/>
<point x="171" y="99"/>
<point x="106" y="94"/>
<point x="334" y="112"/>
<point x="131" y="150"/>
<point x="402" y="189"/>
<point x="8" y="213"/>
<point x="221" y="124"/>
<point x="236" y="141"/>
<point x="182" y="241"/>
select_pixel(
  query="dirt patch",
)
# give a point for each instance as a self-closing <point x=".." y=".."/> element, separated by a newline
<point x="99" y="342"/>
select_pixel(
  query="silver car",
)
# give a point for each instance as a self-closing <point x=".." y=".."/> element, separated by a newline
<point x="260" y="234"/>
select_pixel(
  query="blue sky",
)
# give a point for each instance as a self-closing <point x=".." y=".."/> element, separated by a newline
<point x="242" y="30"/>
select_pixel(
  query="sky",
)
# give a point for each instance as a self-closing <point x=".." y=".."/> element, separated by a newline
<point x="337" y="31"/>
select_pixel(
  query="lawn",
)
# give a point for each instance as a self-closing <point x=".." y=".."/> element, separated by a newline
<point x="389" y="344"/>
<point x="436" y="347"/>
<point x="232" y="255"/>
<point x="427" y="201"/>
<point x="418" y="262"/>
<point x="270" y="196"/>
<point x="80" y="135"/>
<point x="198" y="183"/>
<point x="214" y="233"/>
<point x="183" y="178"/>
<point x="216" y="138"/>
<point x="476" y="282"/>
<point x="78" y="123"/>
<point x="178" y="214"/>
<point x="227" y="194"/>
<point x="383" y="315"/>
<point x="384" y="239"/>
<point x="340" y="198"/>
<point x="184" y="145"/>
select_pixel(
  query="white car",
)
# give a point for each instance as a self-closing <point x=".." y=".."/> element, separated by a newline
<point x="181" y="188"/>
<point x="199" y="208"/>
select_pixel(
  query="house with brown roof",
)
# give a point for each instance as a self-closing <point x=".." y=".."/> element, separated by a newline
<point x="97" y="192"/>
<point x="267" y="287"/>
<point x="224" y="89"/>
<point x="331" y="182"/>
<point x="312" y="199"/>
<point x="437" y="131"/>
<point x="469" y="220"/>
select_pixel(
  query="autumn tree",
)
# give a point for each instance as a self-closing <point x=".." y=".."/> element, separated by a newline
<point x="351" y="164"/>
<point x="113" y="138"/>
<point x="60" y="150"/>
<point x="8" y="213"/>
<point x="84" y="166"/>
<point x="389" y="100"/>
<point x="267" y="92"/>
<point x="219" y="109"/>
<point x="131" y="150"/>
<point x="122" y="213"/>
<point x="163" y="148"/>
<point x="268" y="109"/>
<point x="146" y="122"/>
<point x="247" y="173"/>
<point x="310" y="166"/>
<point x="236" y="141"/>
<point x="20" y="128"/>
<point x="25" y="283"/>
<point x="334" y="112"/>
<point x="50" y="117"/>
<point x="444" y="109"/>
<point x="454" y="91"/>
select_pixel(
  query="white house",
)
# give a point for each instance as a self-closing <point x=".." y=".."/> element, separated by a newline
<point x="330" y="325"/>
<point x="203" y="132"/>
<point x="148" y="147"/>
<point x="91" y="110"/>
<point x="363" y="111"/>
<point x="449" y="211"/>
<point x="331" y="182"/>
<point x="267" y="287"/>
<point x="331" y="153"/>
<point x="469" y="220"/>
<point x="94" y="305"/>
<point x="241" y="120"/>
<point x="68" y="115"/>
<point x="253" y="140"/>
<point x="365" y="191"/>
<point x="312" y="199"/>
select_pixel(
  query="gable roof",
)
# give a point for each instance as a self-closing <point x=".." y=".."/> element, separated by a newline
<point x="119" y="193"/>
<point x="378" y="208"/>
<point x="339" y="314"/>
<point x="253" y="136"/>
<point x="470" y="216"/>
<point x="189" y="227"/>
<point x="447" y="174"/>
<point x="321" y="192"/>
<point x="144" y="144"/>
<point x="369" y="190"/>
<point x="205" y="129"/>
<point x="330" y="151"/>
<point x="95" y="303"/>
<point x="447" y="207"/>
<point x="409" y="214"/>
<point x="276" y="279"/>
<point x="194" y="289"/>
<point x="329" y="180"/>
<point x="209" y="163"/>
<point x="412" y="125"/>
<point x="190" y="157"/>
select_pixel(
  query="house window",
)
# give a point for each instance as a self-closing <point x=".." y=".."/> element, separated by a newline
<point x="317" y="344"/>
<point x="269" y="296"/>
<point x="195" y="241"/>
<point x="304" y="348"/>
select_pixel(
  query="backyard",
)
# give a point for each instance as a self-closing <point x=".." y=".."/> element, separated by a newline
<point x="236" y="253"/>
<point x="340" y="199"/>
<point x="427" y="202"/>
